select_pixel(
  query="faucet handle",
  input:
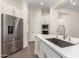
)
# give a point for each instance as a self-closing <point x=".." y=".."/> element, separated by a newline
<point x="69" y="39"/>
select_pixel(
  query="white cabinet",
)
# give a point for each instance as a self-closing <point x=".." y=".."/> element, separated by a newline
<point x="37" y="46"/>
<point x="18" y="13"/>
<point x="45" y="18"/>
<point x="7" y="8"/>
<point x="0" y="5"/>
<point x="10" y="9"/>
<point x="47" y="52"/>
<point x="41" y="50"/>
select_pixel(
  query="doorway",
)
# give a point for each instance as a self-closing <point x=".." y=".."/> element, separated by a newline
<point x="34" y="24"/>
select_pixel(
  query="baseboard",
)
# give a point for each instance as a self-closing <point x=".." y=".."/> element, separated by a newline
<point x="25" y="46"/>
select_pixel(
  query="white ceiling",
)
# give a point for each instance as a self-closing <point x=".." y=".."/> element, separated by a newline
<point x="36" y="4"/>
<point x="52" y="3"/>
<point x="71" y="7"/>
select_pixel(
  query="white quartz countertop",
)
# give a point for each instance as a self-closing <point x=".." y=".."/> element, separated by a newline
<point x="68" y="52"/>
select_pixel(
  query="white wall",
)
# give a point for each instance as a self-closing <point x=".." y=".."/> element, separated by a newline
<point x="0" y="24"/>
<point x="70" y="20"/>
<point x="54" y="22"/>
<point x="34" y="23"/>
<point x="25" y="23"/>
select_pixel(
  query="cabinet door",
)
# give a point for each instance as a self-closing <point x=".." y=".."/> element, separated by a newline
<point x="41" y="51"/>
<point x="37" y="46"/>
<point x="7" y="8"/>
<point x="53" y="54"/>
<point x="18" y="12"/>
<point x="0" y="4"/>
<point x="49" y="51"/>
<point x="46" y="50"/>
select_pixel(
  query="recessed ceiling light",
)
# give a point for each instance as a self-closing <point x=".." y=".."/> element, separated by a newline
<point x="74" y="3"/>
<point x="42" y="3"/>
<point x="71" y="1"/>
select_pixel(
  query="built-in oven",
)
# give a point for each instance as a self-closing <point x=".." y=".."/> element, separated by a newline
<point x="45" y="29"/>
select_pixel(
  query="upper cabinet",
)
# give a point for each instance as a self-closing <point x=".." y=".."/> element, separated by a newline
<point x="0" y="5"/>
<point x="10" y="7"/>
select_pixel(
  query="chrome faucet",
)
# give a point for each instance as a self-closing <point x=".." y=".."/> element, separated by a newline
<point x="61" y="26"/>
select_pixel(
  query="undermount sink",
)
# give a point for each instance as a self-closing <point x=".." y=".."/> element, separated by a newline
<point x="59" y="42"/>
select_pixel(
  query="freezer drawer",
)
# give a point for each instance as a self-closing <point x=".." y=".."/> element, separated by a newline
<point x="19" y="45"/>
<point x="6" y="49"/>
<point x="13" y="47"/>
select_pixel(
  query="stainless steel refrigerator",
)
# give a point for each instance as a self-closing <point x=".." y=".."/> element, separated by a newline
<point x="12" y="34"/>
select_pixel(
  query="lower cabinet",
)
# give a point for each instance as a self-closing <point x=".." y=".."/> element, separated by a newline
<point x="37" y="46"/>
<point x="47" y="52"/>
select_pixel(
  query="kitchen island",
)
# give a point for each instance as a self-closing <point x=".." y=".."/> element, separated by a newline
<point x="46" y="49"/>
